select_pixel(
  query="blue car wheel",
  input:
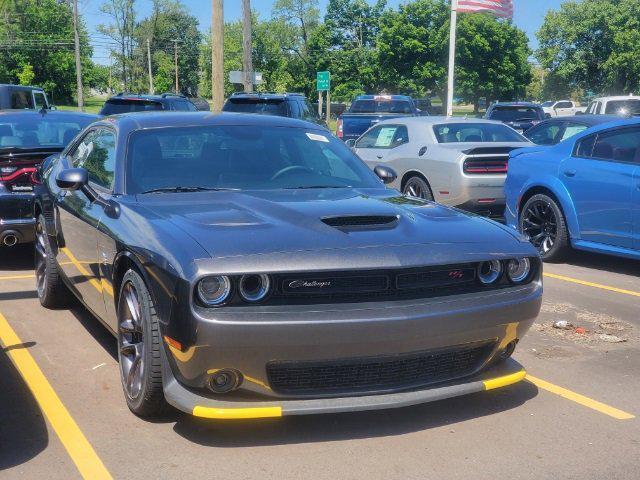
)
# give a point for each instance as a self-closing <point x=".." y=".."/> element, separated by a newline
<point x="542" y="221"/>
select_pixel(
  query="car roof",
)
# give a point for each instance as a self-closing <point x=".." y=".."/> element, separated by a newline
<point x="390" y="97"/>
<point x="616" y="97"/>
<point x="585" y="119"/>
<point x="516" y="104"/>
<point x="59" y="114"/>
<point x="21" y="87"/>
<point x="267" y="95"/>
<point x="128" y="122"/>
<point x="139" y="96"/>
<point x="433" y="120"/>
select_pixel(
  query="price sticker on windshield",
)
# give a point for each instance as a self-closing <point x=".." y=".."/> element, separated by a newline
<point x="385" y="137"/>
<point x="317" y="137"/>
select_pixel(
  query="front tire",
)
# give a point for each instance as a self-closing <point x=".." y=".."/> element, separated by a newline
<point x="139" y="348"/>
<point x="542" y="221"/>
<point x="52" y="292"/>
<point x="417" y="187"/>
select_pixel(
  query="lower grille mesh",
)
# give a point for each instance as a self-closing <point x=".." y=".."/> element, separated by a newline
<point x="377" y="373"/>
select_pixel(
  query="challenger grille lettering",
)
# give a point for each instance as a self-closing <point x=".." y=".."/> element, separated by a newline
<point x="308" y="284"/>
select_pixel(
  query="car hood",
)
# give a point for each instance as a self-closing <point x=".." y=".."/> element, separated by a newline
<point x="228" y="224"/>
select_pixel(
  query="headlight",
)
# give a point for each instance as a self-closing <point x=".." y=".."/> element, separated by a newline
<point x="489" y="272"/>
<point x="518" y="269"/>
<point x="214" y="291"/>
<point x="254" y="288"/>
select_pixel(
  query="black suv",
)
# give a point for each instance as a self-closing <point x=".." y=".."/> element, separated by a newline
<point x="292" y="105"/>
<point x="133" y="102"/>
<point x="21" y="97"/>
<point x="520" y="116"/>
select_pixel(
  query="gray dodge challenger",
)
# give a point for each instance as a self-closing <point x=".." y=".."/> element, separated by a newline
<point x="253" y="266"/>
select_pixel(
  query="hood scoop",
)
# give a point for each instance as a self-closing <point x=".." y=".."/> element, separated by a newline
<point x="362" y="222"/>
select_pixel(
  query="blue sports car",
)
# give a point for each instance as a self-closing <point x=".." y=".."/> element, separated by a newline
<point x="583" y="192"/>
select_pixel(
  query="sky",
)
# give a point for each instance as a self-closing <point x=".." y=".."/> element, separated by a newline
<point x="528" y="14"/>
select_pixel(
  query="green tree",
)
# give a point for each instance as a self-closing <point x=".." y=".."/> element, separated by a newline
<point x="593" y="45"/>
<point x="26" y="75"/>
<point x="169" y="21"/>
<point x="491" y="60"/>
<point x="39" y="33"/>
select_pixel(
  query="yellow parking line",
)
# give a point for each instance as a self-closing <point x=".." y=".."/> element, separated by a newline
<point x="74" y="441"/>
<point x="591" y="284"/>
<point x="17" y="277"/>
<point x="581" y="399"/>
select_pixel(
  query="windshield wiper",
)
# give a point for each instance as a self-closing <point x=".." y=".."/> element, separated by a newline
<point x="180" y="189"/>
<point x="318" y="186"/>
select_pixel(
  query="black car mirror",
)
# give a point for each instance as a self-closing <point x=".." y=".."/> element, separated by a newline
<point x="351" y="143"/>
<point x="72" y="178"/>
<point x="386" y="174"/>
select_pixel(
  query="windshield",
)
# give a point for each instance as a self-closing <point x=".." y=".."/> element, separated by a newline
<point x="241" y="157"/>
<point x="381" y="106"/>
<point x="623" y="107"/>
<point x="262" y="106"/>
<point x="548" y="104"/>
<point x="40" y="130"/>
<point x="115" y="106"/>
<point x="515" y="113"/>
<point x="476" y="133"/>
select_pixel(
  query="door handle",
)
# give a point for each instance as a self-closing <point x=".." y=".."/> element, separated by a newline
<point x="570" y="173"/>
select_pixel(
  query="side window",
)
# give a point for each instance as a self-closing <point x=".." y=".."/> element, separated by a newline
<point x="597" y="108"/>
<point x="100" y="162"/>
<point x="294" y="108"/>
<point x="82" y="150"/>
<point x="384" y="136"/>
<point x="544" y="134"/>
<point x="21" y="99"/>
<point x="307" y="112"/>
<point x="584" y="149"/>
<point x="621" y="145"/>
<point x="571" y="130"/>
<point x="564" y="105"/>
<point x="39" y="100"/>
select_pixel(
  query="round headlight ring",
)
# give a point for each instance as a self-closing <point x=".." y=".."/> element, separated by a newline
<point x="518" y="269"/>
<point x="254" y="288"/>
<point x="489" y="272"/>
<point x="213" y="291"/>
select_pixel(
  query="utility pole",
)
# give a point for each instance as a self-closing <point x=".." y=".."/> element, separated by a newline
<point x="175" y="59"/>
<point x="149" y="61"/>
<point x="247" y="64"/>
<point x="76" y="39"/>
<point x="217" y="50"/>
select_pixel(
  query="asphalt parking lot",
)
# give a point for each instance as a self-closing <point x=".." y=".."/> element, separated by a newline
<point x="62" y="414"/>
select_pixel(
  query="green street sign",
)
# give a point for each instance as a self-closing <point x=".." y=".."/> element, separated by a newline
<point x="323" y="81"/>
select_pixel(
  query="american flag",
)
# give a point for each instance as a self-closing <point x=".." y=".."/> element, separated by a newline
<point x="500" y="8"/>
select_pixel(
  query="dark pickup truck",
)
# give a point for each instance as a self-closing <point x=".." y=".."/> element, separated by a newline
<point x="367" y="110"/>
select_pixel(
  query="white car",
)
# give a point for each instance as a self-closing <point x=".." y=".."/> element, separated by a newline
<point x="562" y="108"/>
<point x="455" y="161"/>
<point x="620" y="105"/>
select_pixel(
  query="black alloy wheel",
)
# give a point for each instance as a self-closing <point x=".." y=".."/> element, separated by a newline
<point x="542" y="221"/>
<point x="416" y="187"/>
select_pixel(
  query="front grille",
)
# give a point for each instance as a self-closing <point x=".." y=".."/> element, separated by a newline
<point x="382" y="373"/>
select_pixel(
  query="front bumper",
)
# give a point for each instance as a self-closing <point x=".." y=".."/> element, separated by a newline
<point x="505" y="373"/>
<point x="248" y="339"/>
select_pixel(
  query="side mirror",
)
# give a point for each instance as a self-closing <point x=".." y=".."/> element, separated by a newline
<point x="386" y="174"/>
<point x="351" y="143"/>
<point x="72" y="178"/>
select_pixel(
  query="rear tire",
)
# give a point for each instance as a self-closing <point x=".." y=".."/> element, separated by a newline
<point x="52" y="292"/>
<point x="139" y="347"/>
<point x="417" y="187"/>
<point x="542" y="221"/>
